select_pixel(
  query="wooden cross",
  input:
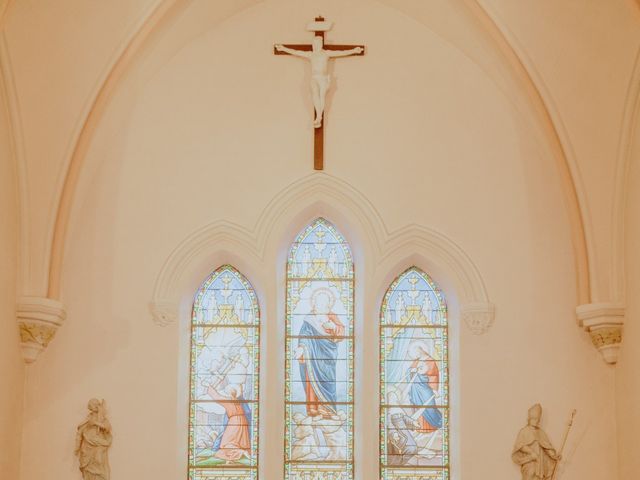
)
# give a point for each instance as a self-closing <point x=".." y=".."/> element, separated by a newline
<point x="320" y="80"/>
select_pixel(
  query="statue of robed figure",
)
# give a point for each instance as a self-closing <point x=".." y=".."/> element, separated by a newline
<point x="93" y="440"/>
<point x="533" y="451"/>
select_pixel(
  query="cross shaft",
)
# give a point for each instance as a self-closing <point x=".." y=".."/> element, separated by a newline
<point x="318" y="27"/>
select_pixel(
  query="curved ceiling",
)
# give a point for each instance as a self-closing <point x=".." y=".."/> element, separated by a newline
<point x="488" y="35"/>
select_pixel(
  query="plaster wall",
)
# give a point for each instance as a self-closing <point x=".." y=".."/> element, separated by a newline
<point x="570" y="48"/>
<point x="628" y="378"/>
<point x="11" y="364"/>
<point x="59" y="53"/>
<point x="223" y="126"/>
<point x="575" y="51"/>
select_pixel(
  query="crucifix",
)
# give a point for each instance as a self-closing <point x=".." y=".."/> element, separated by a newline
<point x="319" y="55"/>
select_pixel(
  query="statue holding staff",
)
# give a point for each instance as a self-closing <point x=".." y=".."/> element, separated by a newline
<point x="533" y="451"/>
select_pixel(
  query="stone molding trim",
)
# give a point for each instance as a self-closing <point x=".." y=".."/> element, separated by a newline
<point x="549" y="119"/>
<point x="627" y="147"/>
<point x="603" y="322"/>
<point x="38" y="319"/>
<point x="323" y="192"/>
<point x="478" y="316"/>
<point x="163" y="312"/>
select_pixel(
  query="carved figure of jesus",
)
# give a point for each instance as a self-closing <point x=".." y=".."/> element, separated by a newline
<point x="320" y="78"/>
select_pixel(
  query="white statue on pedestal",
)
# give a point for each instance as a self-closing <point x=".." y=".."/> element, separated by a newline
<point x="93" y="441"/>
<point x="533" y="450"/>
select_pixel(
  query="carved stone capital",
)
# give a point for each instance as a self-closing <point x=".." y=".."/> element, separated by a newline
<point x="479" y="317"/>
<point x="38" y="319"/>
<point x="163" y="312"/>
<point x="603" y="322"/>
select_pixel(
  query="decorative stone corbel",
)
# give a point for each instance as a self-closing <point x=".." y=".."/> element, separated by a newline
<point x="38" y="319"/>
<point x="478" y="316"/>
<point x="603" y="322"/>
<point x="163" y="312"/>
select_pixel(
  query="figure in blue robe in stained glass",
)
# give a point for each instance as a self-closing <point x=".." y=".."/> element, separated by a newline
<point x="424" y="383"/>
<point x="317" y="353"/>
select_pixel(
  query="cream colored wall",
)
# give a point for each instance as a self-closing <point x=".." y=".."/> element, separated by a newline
<point x="627" y="375"/>
<point x="11" y="365"/>
<point x="59" y="52"/>
<point x="581" y="56"/>
<point x="220" y="127"/>
<point x="570" y="49"/>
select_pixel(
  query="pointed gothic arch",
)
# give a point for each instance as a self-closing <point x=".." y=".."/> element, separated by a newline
<point x="317" y="195"/>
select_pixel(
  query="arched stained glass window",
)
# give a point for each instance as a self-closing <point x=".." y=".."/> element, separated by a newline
<point x="225" y="339"/>
<point x="414" y="388"/>
<point x="319" y="356"/>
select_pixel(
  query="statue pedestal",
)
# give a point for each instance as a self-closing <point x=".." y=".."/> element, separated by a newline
<point x="603" y="322"/>
<point x="39" y="319"/>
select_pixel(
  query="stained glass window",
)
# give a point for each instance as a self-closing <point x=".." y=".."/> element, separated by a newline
<point x="319" y="356"/>
<point x="223" y="420"/>
<point x="414" y="389"/>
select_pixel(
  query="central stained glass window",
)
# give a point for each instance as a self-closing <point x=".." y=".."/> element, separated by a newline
<point x="319" y="356"/>
<point x="414" y="383"/>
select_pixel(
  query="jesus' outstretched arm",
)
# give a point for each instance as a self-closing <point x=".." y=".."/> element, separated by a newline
<point x="345" y="53"/>
<point x="291" y="51"/>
